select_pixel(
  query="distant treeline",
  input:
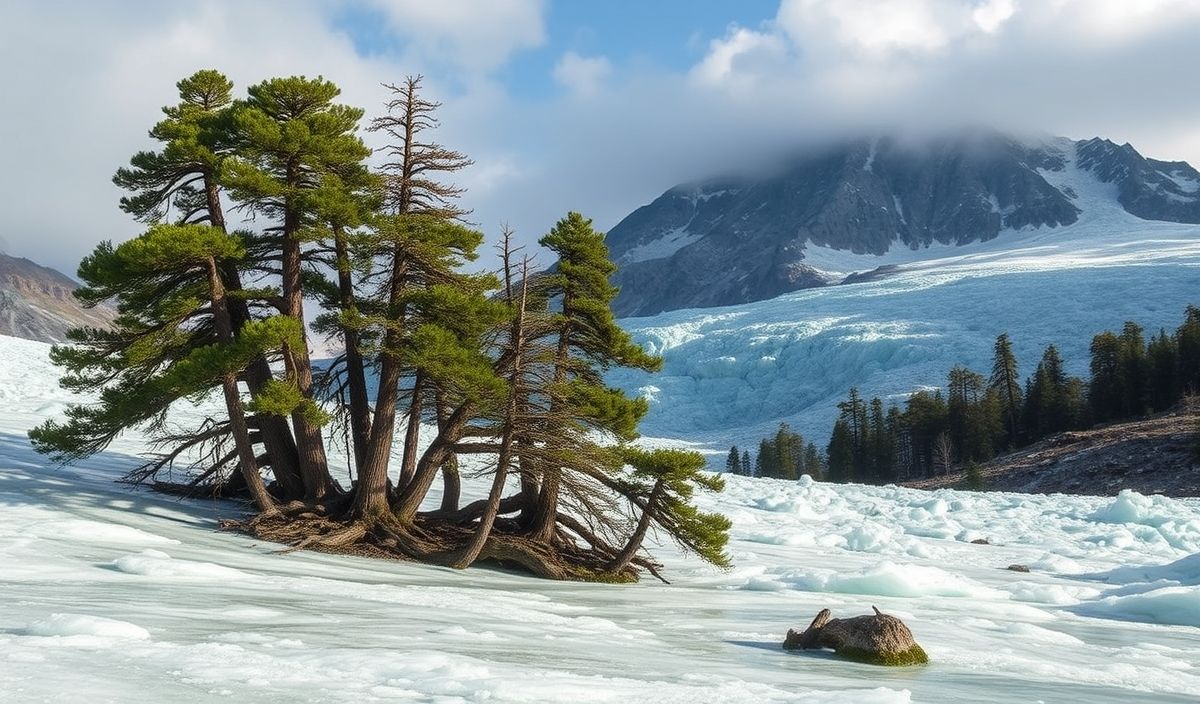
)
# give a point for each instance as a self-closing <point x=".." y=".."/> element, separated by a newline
<point x="979" y="417"/>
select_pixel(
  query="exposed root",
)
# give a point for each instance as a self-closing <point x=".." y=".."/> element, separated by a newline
<point x="344" y="536"/>
<point x="435" y="540"/>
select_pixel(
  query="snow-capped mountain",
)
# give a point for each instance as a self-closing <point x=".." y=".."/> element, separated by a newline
<point x="864" y="203"/>
<point x="731" y="374"/>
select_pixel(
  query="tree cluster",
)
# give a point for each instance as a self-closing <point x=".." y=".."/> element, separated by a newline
<point x="444" y="371"/>
<point x="978" y="417"/>
<point x="784" y="455"/>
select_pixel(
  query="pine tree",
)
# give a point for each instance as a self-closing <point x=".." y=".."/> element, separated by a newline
<point x="181" y="183"/>
<point x="733" y="463"/>
<point x="1135" y="370"/>
<point x="172" y="340"/>
<point x="1005" y="380"/>
<point x="1187" y="340"/>
<point x="883" y="444"/>
<point x="510" y="372"/>
<point x="1163" y="358"/>
<point x="747" y="465"/>
<point x="841" y="453"/>
<point x="290" y="135"/>
<point x="588" y="342"/>
<point x="1106" y="389"/>
<point x="854" y="412"/>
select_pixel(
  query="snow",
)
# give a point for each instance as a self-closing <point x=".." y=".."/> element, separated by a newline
<point x="117" y="594"/>
<point x="664" y="246"/>
<point x="732" y="374"/>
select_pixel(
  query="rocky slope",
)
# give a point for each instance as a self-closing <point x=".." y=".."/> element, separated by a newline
<point x="36" y="302"/>
<point x="736" y="240"/>
<point x="1154" y="456"/>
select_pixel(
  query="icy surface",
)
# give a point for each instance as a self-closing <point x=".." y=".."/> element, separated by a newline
<point x="732" y="374"/>
<point x="117" y="595"/>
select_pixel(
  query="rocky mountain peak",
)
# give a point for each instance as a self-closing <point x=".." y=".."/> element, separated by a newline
<point x="738" y="239"/>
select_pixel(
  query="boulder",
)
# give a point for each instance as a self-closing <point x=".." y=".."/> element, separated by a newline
<point x="879" y="639"/>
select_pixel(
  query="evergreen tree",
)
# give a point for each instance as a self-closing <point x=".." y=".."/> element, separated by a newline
<point x="1163" y="358"/>
<point x="588" y="341"/>
<point x="1135" y="370"/>
<point x="882" y="444"/>
<point x="747" y="465"/>
<point x="927" y="419"/>
<point x="841" y="453"/>
<point x="1106" y="389"/>
<point x="1187" y="340"/>
<point x="1005" y="380"/>
<point x="765" y="461"/>
<point x="181" y="183"/>
<point x="973" y="478"/>
<point x="854" y="413"/>
<point x="509" y="371"/>
<point x="289" y="135"/>
<point x="733" y="463"/>
<point x="1048" y="403"/>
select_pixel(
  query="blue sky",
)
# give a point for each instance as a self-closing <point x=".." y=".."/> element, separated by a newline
<point x="668" y="35"/>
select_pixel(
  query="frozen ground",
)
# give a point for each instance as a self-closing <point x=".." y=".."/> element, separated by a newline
<point x="116" y="595"/>
<point x="731" y="374"/>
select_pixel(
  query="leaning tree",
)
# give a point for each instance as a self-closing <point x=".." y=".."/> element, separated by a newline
<point x="492" y="381"/>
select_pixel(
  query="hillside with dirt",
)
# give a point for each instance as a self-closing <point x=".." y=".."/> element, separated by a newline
<point x="1153" y="456"/>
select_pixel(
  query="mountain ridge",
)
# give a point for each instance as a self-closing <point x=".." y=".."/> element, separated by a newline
<point x="732" y="240"/>
<point x="37" y="302"/>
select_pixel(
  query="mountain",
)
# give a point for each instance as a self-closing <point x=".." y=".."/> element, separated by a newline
<point x="732" y="374"/>
<point x="861" y="204"/>
<point x="36" y="302"/>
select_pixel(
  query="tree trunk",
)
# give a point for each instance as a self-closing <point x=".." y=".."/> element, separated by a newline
<point x="435" y="456"/>
<point x="623" y="558"/>
<point x="412" y="433"/>
<point x="471" y="551"/>
<point x="546" y="515"/>
<point x="276" y="437"/>
<point x="360" y="408"/>
<point x="310" y="444"/>
<point x="233" y="402"/>
<point x="371" y="496"/>
<point x="451" y="481"/>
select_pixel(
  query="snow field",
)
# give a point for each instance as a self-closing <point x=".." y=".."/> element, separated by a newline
<point x="119" y="595"/>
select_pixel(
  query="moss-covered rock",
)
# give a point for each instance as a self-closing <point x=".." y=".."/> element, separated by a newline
<point x="879" y="639"/>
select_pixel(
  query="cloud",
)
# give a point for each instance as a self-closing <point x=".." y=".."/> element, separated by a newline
<point x="479" y="36"/>
<point x="582" y="75"/>
<point x="92" y="79"/>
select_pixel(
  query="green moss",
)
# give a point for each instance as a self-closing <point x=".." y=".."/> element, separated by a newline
<point x="913" y="656"/>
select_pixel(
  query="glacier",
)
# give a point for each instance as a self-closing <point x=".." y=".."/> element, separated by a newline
<point x="117" y="594"/>
<point x="732" y="374"/>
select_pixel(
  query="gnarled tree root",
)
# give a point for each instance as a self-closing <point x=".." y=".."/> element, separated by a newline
<point x="437" y="541"/>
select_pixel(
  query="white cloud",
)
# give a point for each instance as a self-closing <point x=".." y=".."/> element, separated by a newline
<point x="583" y="75"/>
<point x="91" y="80"/>
<point x="476" y="35"/>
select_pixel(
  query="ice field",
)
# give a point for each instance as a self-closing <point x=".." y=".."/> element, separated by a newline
<point x="731" y="374"/>
<point x="112" y="594"/>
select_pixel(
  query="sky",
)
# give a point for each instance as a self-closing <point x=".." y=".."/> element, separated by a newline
<point x="590" y="106"/>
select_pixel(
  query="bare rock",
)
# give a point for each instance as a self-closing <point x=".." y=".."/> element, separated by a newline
<point x="1018" y="568"/>
<point x="981" y="541"/>
<point x="879" y="639"/>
